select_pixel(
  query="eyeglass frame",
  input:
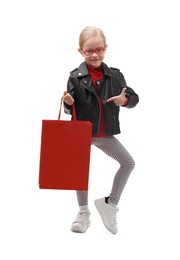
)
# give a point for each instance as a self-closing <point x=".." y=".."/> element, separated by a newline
<point x="93" y="51"/>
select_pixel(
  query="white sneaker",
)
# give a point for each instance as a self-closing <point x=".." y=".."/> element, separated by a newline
<point x="108" y="214"/>
<point x="82" y="221"/>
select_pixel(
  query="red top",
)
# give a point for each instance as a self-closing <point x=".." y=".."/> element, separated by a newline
<point x="97" y="74"/>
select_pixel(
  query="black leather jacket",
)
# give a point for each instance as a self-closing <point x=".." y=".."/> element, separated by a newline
<point x="87" y="107"/>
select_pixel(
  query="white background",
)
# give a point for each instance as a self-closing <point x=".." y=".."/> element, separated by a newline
<point x="38" y="49"/>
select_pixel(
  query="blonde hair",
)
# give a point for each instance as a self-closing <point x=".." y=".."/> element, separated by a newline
<point x="88" y="32"/>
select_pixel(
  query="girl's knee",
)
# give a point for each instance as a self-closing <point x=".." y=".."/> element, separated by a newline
<point x="130" y="164"/>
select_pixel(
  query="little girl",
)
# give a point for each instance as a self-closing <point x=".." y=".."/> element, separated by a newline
<point x="98" y="92"/>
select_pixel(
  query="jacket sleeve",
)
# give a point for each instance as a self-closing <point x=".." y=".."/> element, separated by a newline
<point x="133" y="98"/>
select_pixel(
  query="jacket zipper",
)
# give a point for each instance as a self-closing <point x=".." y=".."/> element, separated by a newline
<point x="99" y="107"/>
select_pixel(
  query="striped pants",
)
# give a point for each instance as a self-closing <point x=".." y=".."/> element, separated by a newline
<point x="113" y="148"/>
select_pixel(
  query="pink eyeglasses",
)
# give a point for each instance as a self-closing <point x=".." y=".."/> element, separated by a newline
<point x="90" y="52"/>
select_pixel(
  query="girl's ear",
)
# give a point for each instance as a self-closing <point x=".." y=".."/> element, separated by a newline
<point x="80" y="51"/>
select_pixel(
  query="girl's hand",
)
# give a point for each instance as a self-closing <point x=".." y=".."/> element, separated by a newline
<point x="119" y="100"/>
<point x="67" y="98"/>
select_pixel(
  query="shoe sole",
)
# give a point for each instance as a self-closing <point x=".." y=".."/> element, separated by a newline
<point x="80" y="229"/>
<point x="100" y="209"/>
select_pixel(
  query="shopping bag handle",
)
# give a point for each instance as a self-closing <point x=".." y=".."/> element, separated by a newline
<point x="73" y="110"/>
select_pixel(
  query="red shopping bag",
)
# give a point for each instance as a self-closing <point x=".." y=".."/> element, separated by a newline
<point x="65" y="154"/>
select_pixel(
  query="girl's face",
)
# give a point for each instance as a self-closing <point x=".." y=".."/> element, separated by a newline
<point x="94" y="51"/>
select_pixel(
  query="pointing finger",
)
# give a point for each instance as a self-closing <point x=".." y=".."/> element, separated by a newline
<point x="110" y="99"/>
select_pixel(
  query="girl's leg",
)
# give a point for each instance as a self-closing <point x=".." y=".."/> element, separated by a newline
<point x="82" y="221"/>
<point x="113" y="148"/>
<point x="82" y="197"/>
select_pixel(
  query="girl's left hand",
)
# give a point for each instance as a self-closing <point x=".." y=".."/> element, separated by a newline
<point x="119" y="100"/>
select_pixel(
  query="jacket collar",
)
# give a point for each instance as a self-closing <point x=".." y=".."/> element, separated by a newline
<point x="83" y="70"/>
